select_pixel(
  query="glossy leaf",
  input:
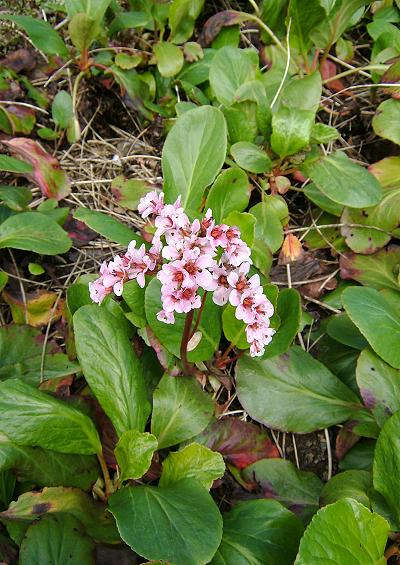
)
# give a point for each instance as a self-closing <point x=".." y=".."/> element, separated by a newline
<point x="134" y="453"/>
<point x="230" y="192"/>
<point x="344" y="532"/>
<point x="107" y="226"/>
<point x="293" y="392"/>
<point x="194" y="461"/>
<point x="181" y="409"/>
<point x="159" y="522"/>
<point x="188" y="174"/>
<point x="322" y="201"/>
<point x="349" y="484"/>
<point x="41" y="33"/>
<point x="31" y="417"/>
<point x="169" y="58"/>
<point x="257" y="532"/>
<point x="376" y="320"/>
<point x="343" y="181"/>
<point x="378" y="270"/>
<point x="279" y="479"/>
<point x="291" y="130"/>
<point x="251" y="157"/>
<point x="111" y="368"/>
<point x="230" y="69"/>
<point x="56" y="539"/>
<point x="171" y="336"/>
<point x="96" y="520"/>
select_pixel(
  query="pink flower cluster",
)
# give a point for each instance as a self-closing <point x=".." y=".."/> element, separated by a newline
<point x="200" y="255"/>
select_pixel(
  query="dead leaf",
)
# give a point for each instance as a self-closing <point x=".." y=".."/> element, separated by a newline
<point x="19" y="60"/>
<point x="291" y="250"/>
<point x="213" y="25"/>
<point x="39" y="307"/>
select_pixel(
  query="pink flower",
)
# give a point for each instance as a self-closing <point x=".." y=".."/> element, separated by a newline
<point x="114" y="274"/>
<point x="166" y="317"/>
<point x="138" y="263"/>
<point x="152" y="203"/>
<point x="173" y="276"/>
<point x="237" y="252"/>
<point x="182" y="300"/>
<point x="240" y="283"/>
<point x="223" y="288"/>
<point x="170" y="218"/>
<point x="97" y="290"/>
<point x="258" y="335"/>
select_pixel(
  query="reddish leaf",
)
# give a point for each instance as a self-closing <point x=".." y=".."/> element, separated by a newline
<point x="213" y="25"/>
<point x="240" y="443"/>
<point x="345" y="440"/>
<point x="47" y="173"/>
<point x="19" y="60"/>
<point x="328" y="70"/>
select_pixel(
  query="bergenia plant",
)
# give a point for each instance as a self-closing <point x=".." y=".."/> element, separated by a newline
<point x="188" y="257"/>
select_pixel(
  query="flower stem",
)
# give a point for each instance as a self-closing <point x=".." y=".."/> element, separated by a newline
<point x="107" y="480"/>
<point x="184" y="343"/>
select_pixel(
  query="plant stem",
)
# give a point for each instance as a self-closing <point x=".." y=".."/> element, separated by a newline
<point x="356" y="70"/>
<point x="265" y="28"/>
<point x="107" y="480"/>
<point x="203" y="301"/>
<point x="224" y="357"/>
<point x="184" y="343"/>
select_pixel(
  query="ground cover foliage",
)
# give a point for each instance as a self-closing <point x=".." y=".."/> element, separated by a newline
<point x="126" y="440"/>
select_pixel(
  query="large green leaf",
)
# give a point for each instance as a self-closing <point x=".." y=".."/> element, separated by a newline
<point x="193" y="154"/>
<point x="34" y="231"/>
<point x="344" y="533"/>
<point x="386" y="467"/>
<point x="342" y="329"/>
<point x="230" y="192"/>
<point x="257" y="532"/>
<point x="111" y="368"/>
<point x="179" y="523"/>
<point x="107" y="226"/>
<point x="57" y="540"/>
<point x="379" y="385"/>
<point x="293" y="392"/>
<point x="349" y="484"/>
<point x="41" y="33"/>
<point x="304" y="16"/>
<point x="343" y="181"/>
<point x="289" y="311"/>
<point x="279" y="479"/>
<point x="97" y="521"/>
<point x="377" y="321"/>
<point x="195" y="461"/>
<point x="134" y="453"/>
<point x="379" y="270"/>
<point x="31" y="417"/>
<point x="230" y="68"/>
<point x="180" y="410"/>
<point x="385" y="121"/>
<point x="47" y="468"/>
<point x="171" y="335"/>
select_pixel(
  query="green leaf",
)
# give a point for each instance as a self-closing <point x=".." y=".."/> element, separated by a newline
<point x="360" y="456"/>
<point x="35" y="269"/>
<point x="189" y="173"/>
<point x="134" y="453"/>
<point x="57" y="540"/>
<point x="268" y="229"/>
<point x="134" y="296"/>
<point x="379" y="385"/>
<point x="33" y="231"/>
<point x="379" y="270"/>
<point x="293" y="392"/>
<point x="251" y="157"/>
<point x="125" y="20"/>
<point x="128" y="192"/>
<point x="194" y="461"/>
<point x="107" y="226"/>
<point x="181" y="410"/>
<point x="305" y="17"/>
<point x="279" y="479"/>
<point x="234" y="329"/>
<point x="171" y="335"/>
<point x="322" y="201"/>
<point x="289" y="311"/>
<point x="377" y="321"/>
<point x="386" y="467"/>
<point x="331" y="28"/>
<point x="111" y="368"/>
<point x="12" y="165"/>
<point x="181" y="18"/>
<point x="230" y="68"/>
<point x="385" y="217"/>
<point x="385" y="120"/>
<point x="349" y="484"/>
<point x="343" y="181"/>
<point x="31" y="417"/>
<point x="242" y="122"/>
<point x="257" y="532"/>
<point x="83" y="30"/>
<point x="159" y="522"/>
<point x="3" y="280"/>
<point x="230" y="192"/>
<point x="41" y="33"/>
<point x="322" y="133"/>
<point x="62" y="109"/>
<point x="387" y="172"/>
<point x="342" y="329"/>
<point x="169" y="58"/>
<point x="96" y="520"/>
<point x="245" y="222"/>
<point x="291" y="130"/>
<point x="15" y="197"/>
<point x="344" y="532"/>
<point x="96" y="8"/>
<point x="48" y="468"/>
